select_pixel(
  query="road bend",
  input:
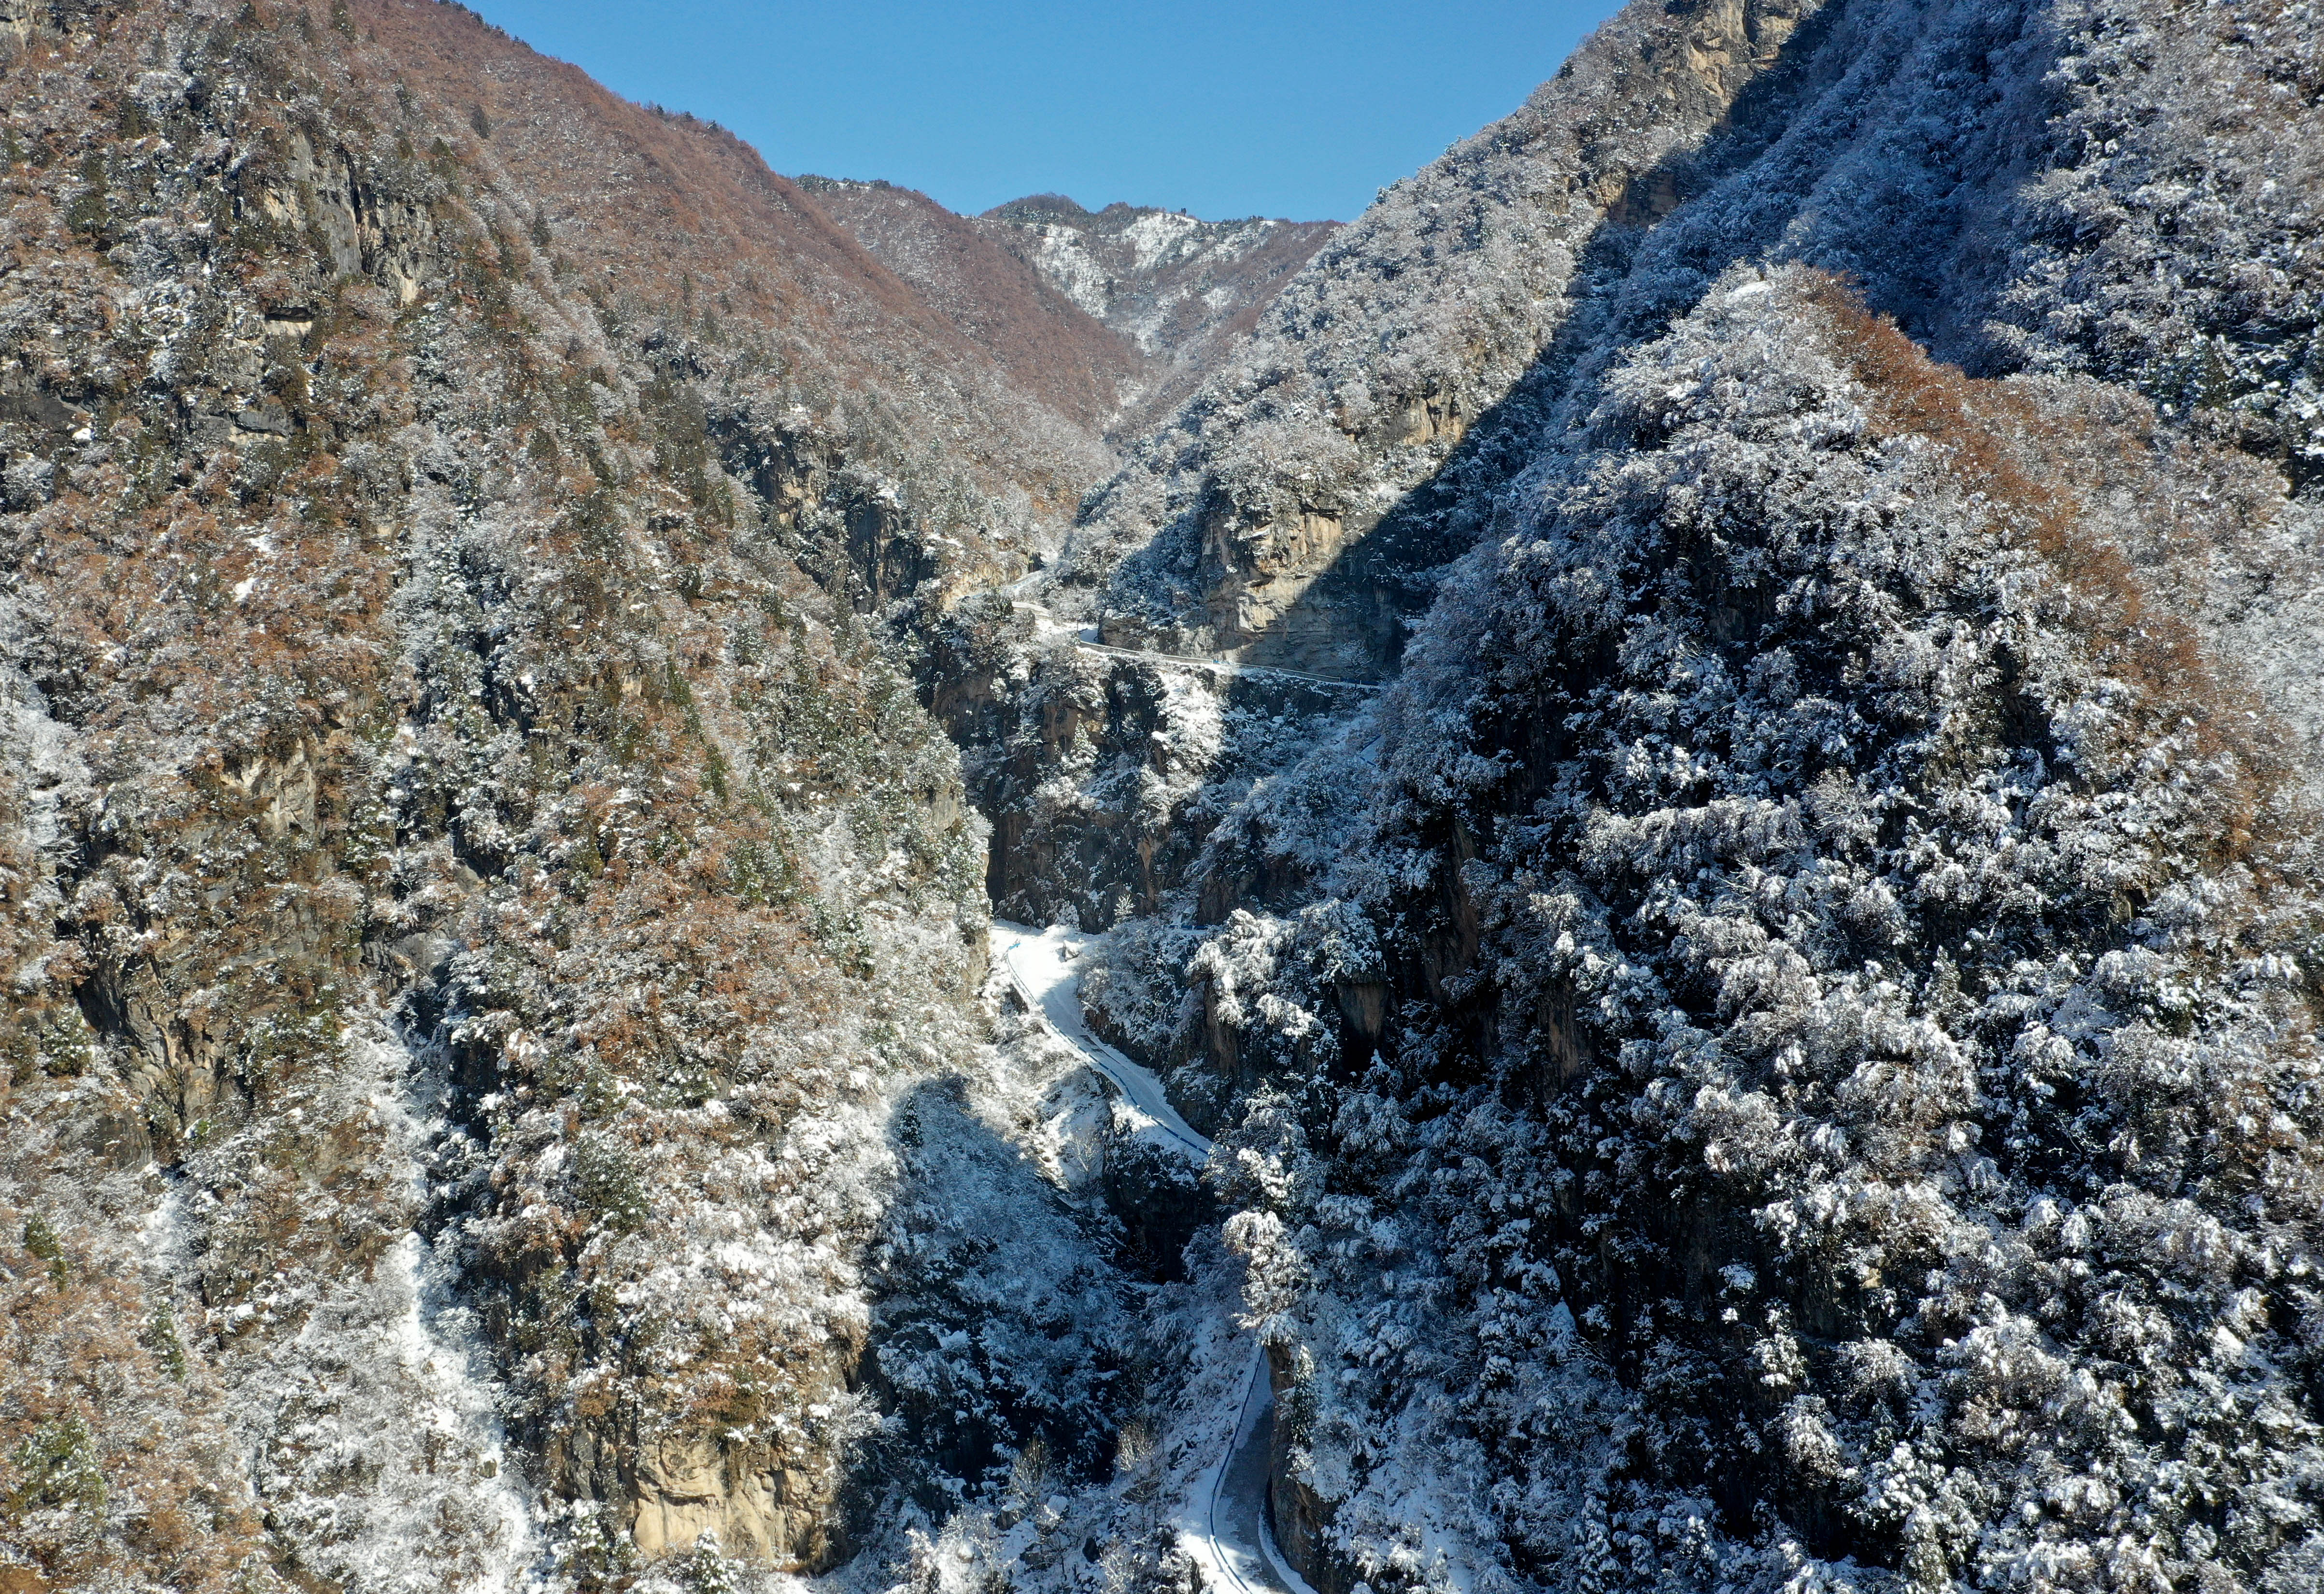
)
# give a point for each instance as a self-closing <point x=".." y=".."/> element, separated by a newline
<point x="1225" y="1526"/>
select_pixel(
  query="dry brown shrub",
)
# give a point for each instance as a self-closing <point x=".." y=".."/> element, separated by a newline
<point x="114" y="1469"/>
<point x="2014" y="453"/>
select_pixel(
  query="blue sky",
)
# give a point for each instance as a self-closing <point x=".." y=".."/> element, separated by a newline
<point x="1275" y="108"/>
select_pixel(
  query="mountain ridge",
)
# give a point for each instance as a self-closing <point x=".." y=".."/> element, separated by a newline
<point x="1175" y="291"/>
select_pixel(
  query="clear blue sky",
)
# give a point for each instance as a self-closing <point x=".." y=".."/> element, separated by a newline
<point x="1224" y="107"/>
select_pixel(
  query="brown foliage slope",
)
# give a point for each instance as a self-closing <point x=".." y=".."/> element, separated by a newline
<point x="996" y="299"/>
<point x="665" y="207"/>
<point x="113" y="1467"/>
<point x="2031" y="462"/>
<point x="1113" y="316"/>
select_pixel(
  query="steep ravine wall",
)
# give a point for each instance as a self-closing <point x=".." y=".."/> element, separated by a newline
<point x="1104" y="776"/>
<point x="436" y="596"/>
<point x="1111" y="786"/>
<point x="1299" y="1516"/>
<point x="1955" y="162"/>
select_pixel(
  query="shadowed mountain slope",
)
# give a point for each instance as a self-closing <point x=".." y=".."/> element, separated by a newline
<point x="1727" y="1056"/>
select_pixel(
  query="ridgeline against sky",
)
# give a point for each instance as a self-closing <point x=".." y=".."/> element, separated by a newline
<point x="1294" y="108"/>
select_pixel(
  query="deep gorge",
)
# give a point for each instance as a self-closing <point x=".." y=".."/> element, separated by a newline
<point x="1688" y="749"/>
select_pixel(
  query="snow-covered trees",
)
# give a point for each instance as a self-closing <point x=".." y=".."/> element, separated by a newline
<point x="1779" y="1055"/>
<point x="1823" y="1092"/>
<point x="1871" y="1068"/>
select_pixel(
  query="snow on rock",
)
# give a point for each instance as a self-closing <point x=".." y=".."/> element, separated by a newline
<point x="375" y="1430"/>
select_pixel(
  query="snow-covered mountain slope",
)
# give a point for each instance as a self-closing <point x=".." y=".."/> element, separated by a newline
<point x="1733" y="876"/>
<point x="449" y="515"/>
<point x="1729" y="1063"/>
<point x="1842" y="939"/>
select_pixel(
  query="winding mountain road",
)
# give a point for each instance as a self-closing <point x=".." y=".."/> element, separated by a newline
<point x="1225" y="1527"/>
<point x="1224" y="665"/>
<point x="1085" y="638"/>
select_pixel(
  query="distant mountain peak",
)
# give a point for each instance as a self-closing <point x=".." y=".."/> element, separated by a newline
<point x="1063" y="210"/>
<point x="1175" y="289"/>
<point x="1035" y="208"/>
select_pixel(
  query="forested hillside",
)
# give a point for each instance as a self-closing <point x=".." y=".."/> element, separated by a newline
<point x="1045" y="340"/>
<point x="480" y="902"/>
<point x="1042" y="282"/>
<point x="1696" y="752"/>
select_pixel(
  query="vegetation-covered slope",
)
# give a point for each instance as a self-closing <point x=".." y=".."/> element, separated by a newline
<point x="1115" y="315"/>
<point x="1045" y="341"/>
<point x="1782" y="1052"/>
<point x="476" y="892"/>
<point x="1848" y="1040"/>
<point x="2020" y="185"/>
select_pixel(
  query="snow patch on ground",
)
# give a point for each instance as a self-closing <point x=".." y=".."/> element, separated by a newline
<point x="1066" y="262"/>
<point x="1044" y="967"/>
<point x="1208" y="1472"/>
